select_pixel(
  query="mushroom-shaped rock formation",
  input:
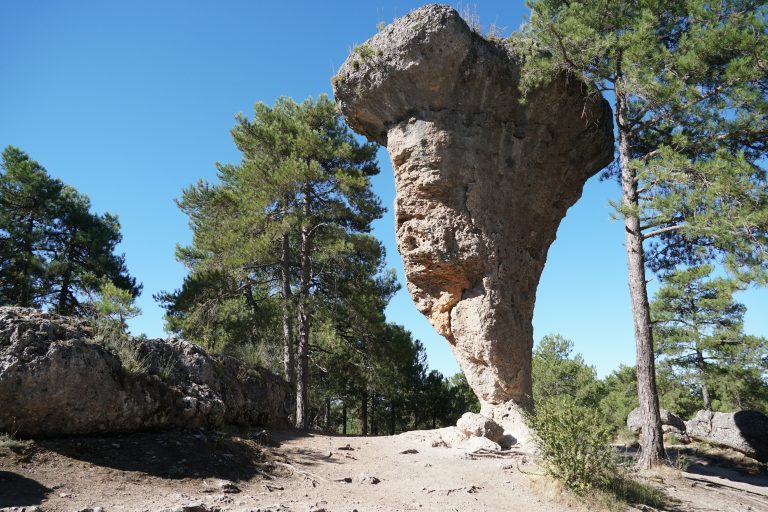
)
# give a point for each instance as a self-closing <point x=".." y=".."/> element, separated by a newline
<point x="483" y="180"/>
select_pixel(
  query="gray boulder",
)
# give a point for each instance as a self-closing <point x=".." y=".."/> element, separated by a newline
<point x="743" y="431"/>
<point x="56" y="380"/>
<point x="670" y="424"/>
<point x="482" y="180"/>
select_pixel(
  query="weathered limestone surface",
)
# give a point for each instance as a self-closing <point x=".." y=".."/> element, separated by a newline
<point x="55" y="380"/>
<point x="743" y="431"/>
<point x="482" y="180"/>
<point x="477" y="425"/>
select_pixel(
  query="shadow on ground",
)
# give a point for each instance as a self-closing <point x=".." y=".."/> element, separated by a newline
<point x="173" y="454"/>
<point x="723" y="464"/>
<point x="339" y="450"/>
<point x="19" y="491"/>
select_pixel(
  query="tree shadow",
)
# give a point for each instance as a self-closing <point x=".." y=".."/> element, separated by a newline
<point x="19" y="491"/>
<point x="172" y="454"/>
<point x="721" y="464"/>
<point x="338" y="452"/>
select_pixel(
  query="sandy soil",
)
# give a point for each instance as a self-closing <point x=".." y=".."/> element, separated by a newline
<point x="305" y="472"/>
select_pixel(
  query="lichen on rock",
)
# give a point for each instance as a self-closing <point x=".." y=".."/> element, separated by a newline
<point x="482" y="179"/>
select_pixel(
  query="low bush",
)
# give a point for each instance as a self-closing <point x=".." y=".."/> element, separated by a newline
<point x="122" y="346"/>
<point x="574" y="447"/>
<point x="573" y="443"/>
<point x="9" y="444"/>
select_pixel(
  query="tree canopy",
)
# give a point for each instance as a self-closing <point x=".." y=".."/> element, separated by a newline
<point x="55" y="252"/>
<point x="699" y="330"/>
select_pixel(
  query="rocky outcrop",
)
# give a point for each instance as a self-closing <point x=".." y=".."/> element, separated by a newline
<point x="473" y="432"/>
<point x="55" y="380"/>
<point x="477" y="425"/>
<point x="453" y="437"/>
<point x="670" y="424"/>
<point x="482" y="180"/>
<point x="743" y="431"/>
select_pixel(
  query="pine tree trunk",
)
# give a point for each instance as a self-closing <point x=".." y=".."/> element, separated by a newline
<point x="302" y="374"/>
<point x="392" y="417"/>
<point x="344" y="417"/>
<point x="374" y="426"/>
<point x="328" y="413"/>
<point x="364" y="413"/>
<point x="701" y="365"/>
<point x="651" y="440"/>
<point x="289" y="365"/>
<point x="25" y="294"/>
<point x="302" y="367"/>
<point x="61" y="306"/>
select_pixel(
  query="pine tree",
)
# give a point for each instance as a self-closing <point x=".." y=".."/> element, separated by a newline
<point x="83" y="254"/>
<point x="28" y="198"/>
<point x="288" y="221"/>
<point x="688" y="84"/>
<point x="557" y="372"/>
<point x="698" y="328"/>
<point x="55" y="252"/>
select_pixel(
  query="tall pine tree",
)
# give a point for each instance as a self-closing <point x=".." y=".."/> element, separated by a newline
<point x="699" y="332"/>
<point x="54" y="252"/>
<point x="289" y="221"/>
<point x="28" y="202"/>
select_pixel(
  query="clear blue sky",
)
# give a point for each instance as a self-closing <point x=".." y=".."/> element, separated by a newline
<point x="132" y="101"/>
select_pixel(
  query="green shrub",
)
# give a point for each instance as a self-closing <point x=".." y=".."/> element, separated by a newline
<point x="252" y="357"/>
<point x="364" y="51"/>
<point x="124" y="348"/>
<point x="9" y="444"/>
<point x="110" y="310"/>
<point x="574" y="446"/>
<point x="573" y="443"/>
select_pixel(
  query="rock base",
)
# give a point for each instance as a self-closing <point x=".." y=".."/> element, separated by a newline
<point x="475" y="433"/>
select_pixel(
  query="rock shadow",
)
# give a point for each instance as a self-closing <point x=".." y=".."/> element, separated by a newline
<point x="172" y="454"/>
<point x="20" y="491"/>
<point x="753" y="427"/>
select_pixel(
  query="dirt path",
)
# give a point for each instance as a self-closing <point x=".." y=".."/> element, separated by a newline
<point x="206" y="471"/>
<point x="306" y="472"/>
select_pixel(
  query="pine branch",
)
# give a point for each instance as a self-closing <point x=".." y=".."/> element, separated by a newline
<point x="660" y="231"/>
<point x="665" y="116"/>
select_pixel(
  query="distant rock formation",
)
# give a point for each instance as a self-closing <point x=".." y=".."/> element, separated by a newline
<point x="743" y="431"/>
<point x="55" y="380"/>
<point x="482" y="181"/>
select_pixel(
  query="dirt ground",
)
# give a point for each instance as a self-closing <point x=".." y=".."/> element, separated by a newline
<point x="199" y="471"/>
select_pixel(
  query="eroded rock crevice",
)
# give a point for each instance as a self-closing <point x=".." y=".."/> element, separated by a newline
<point x="482" y="179"/>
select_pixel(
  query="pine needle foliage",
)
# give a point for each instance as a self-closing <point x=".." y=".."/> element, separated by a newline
<point x="687" y="81"/>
